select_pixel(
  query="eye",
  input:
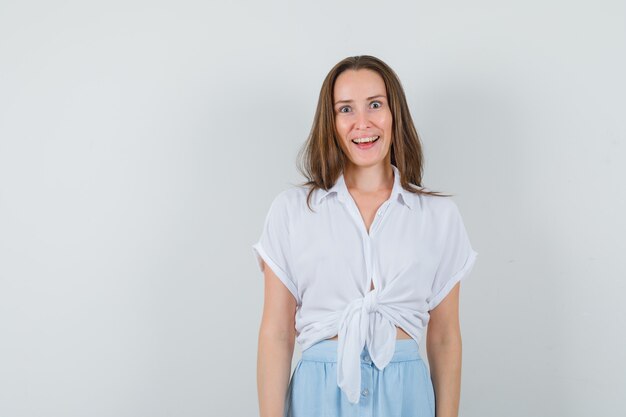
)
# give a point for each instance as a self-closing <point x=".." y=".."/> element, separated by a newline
<point x="342" y="108"/>
<point x="377" y="102"/>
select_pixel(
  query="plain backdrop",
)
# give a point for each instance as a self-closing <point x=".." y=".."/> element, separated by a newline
<point x="142" y="142"/>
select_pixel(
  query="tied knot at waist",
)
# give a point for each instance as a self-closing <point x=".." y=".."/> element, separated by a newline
<point x="358" y="314"/>
<point x="367" y="304"/>
<point x="370" y="301"/>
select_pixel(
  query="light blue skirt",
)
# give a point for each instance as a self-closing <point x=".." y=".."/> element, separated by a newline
<point x="402" y="389"/>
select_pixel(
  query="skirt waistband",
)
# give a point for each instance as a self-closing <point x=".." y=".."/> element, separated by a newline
<point x="326" y="351"/>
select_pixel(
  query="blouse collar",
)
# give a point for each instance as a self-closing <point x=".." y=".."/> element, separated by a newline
<point x="342" y="191"/>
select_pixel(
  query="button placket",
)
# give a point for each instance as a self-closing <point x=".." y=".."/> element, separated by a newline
<point x="379" y="217"/>
<point x="367" y="246"/>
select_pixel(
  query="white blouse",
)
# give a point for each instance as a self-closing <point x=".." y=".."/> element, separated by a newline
<point x="417" y="249"/>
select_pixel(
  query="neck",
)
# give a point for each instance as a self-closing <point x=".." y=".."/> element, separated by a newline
<point x="369" y="179"/>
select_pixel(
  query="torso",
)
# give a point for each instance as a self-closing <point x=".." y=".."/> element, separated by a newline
<point x="367" y="207"/>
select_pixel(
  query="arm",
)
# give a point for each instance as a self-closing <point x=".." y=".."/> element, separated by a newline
<point x="276" y="344"/>
<point x="443" y="346"/>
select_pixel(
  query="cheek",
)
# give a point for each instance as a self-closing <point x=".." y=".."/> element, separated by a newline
<point x="383" y="118"/>
<point x="341" y="129"/>
<point x="387" y="121"/>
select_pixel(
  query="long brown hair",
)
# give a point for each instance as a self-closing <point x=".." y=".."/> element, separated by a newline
<point x="321" y="159"/>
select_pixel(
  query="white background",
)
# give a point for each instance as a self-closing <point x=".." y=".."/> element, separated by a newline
<point x="142" y="142"/>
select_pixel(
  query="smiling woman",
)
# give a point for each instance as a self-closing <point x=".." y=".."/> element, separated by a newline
<point x="356" y="278"/>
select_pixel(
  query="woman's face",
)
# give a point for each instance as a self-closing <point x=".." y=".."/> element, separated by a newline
<point x="362" y="111"/>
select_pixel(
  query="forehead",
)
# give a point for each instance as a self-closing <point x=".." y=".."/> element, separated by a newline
<point x="355" y="84"/>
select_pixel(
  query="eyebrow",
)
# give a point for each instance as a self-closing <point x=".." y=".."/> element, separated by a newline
<point x="350" y="101"/>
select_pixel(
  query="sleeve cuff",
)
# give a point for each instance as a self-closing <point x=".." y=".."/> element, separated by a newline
<point x="260" y="255"/>
<point x="459" y="276"/>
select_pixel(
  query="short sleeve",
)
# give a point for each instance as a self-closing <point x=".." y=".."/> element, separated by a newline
<point x="273" y="245"/>
<point x="457" y="259"/>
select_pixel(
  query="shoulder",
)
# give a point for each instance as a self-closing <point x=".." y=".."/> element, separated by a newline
<point x="438" y="206"/>
<point x="290" y="200"/>
<point x="440" y="214"/>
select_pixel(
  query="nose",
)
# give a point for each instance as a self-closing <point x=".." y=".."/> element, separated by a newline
<point x="362" y="120"/>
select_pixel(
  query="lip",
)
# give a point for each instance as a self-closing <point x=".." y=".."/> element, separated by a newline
<point x="368" y="146"/>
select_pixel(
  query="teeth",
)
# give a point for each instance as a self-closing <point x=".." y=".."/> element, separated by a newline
<point x="363" y="140"/>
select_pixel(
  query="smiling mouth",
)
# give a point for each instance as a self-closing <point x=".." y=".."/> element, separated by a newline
<point x="371" y="139"/>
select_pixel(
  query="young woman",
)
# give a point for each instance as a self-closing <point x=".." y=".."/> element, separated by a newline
<point x="357" y="261"/>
